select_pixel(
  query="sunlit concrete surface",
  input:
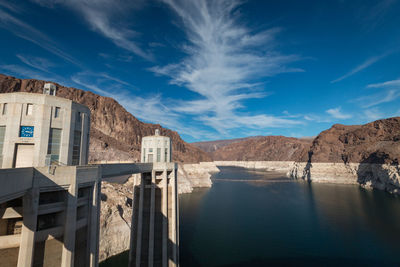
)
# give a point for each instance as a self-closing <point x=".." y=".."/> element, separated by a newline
<point x="39" y="129"/>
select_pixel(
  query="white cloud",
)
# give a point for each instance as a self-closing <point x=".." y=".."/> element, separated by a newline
<point x="106" y="18"/>
<point x="360" y="67"/>
<point x="149" y="108"/>
<point x="390" y="92"/>
<point x="223" y="64"/>
<point x="393" y="83"/>
<point x="36" y="62"/>
<point x="373" y="114"/>
<point x="338" y="114"/>
<point x="27" y="32"/>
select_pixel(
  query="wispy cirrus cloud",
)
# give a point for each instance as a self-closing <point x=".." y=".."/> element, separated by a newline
<point x="362" y="66"/>
<point x="387" y="84"/>
<point x="224" y="64"/>
<point x="105" y="17"/>
<point x="373" y="114"/>
<point x="338" y="114"/>
<point x="39" y="63"/>
<point x="389" y="91"/>
<point x="150" y="108"/>
<point x="24" y="30"/>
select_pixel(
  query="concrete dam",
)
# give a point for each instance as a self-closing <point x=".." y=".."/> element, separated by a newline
<point x="50" y="197"/>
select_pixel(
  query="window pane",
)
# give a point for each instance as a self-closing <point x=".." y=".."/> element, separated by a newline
<point x="29" y="109"/>
<point x="158" y="154"/>
<point x="54" y="144"/>
<point x="76" y="148"/>
<point x="4" y="109"/>
<point x="57" y="112"/>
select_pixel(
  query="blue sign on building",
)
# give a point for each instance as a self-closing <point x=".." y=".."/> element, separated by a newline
<point x="26" y="131"/>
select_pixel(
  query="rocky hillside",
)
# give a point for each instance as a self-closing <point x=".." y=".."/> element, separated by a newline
<point x="211" y="146"/>
<point x="264" y="148"/>
<point x="115" y="133"/>
<point x="375" y="142"/>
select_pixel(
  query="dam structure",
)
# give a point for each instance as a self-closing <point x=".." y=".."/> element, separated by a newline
<point x="50" y="201"/>
<point x="155" y="232"/>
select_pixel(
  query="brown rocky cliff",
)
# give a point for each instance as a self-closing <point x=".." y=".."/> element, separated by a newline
<point x="375" y="142"/>
<point x="264" y="148"/>
<point x="113" y="129"/>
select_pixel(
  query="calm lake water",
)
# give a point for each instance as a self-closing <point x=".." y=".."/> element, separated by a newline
<point x="254" y="218"/>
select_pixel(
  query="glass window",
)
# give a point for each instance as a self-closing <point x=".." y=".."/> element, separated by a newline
<point x="166" y="155"/>
<point x="4" y="111"/>
<point x="78" y="117"/>
<point x="76" y="150"/>
<point x="150" y="150"/>
<point x="29" y="109"/>
<point x="144" y="154"/>
<point x="158" y="154"/>
<point x="57" y="112"/>
<point x="54" y="144"/>
<point x="2" y="135"/>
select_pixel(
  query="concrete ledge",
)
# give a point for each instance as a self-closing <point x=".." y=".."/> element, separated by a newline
<point x="15" y="183"/>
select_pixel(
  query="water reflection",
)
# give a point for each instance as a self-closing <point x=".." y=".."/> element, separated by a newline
<point x="252" y="218"/>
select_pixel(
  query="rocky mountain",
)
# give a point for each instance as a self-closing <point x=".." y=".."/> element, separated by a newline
<point x="375" y="142"/>
<point x="115" y="133"/>
<point x="211" y="146"/>
<point x="264" y="148"/>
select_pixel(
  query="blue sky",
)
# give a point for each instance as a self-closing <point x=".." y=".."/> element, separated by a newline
<point x="216" y="69"/>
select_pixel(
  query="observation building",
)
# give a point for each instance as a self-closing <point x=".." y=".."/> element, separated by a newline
<point x="42" y="129"/>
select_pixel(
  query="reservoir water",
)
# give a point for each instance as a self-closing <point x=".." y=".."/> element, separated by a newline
<point x="255" y="218"/>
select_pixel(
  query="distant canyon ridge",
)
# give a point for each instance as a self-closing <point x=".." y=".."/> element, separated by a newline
<point x="376" y="142"/>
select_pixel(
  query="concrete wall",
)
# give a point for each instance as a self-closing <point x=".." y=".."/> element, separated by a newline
<point x="152" y="143"/>
<point x="42" y="119"/>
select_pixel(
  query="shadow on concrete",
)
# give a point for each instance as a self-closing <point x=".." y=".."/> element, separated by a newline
<point x="54" y="222"/>
<point x="122" y="259"/>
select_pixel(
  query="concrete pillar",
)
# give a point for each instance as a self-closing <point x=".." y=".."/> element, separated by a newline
<point x="68" y="252"/>
<point x="174" y="218"/>
<point x="94" y="225"/>
<point x="165" y="219"/>
<point x="134" y="217"/>
<point x="140" y="223"/>
<point x="30" y="212"/>
<point x="152" y="214"/>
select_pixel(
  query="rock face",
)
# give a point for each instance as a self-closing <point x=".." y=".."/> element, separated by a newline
<point x="265" y="148"/>
<point x="115" y="218"/>
<point x="114" y="131"/>
<point x="211" y="146"/>
<point x="195" y="175"/>
<point x="359" y="154"/>
<point x="375" y="142"/>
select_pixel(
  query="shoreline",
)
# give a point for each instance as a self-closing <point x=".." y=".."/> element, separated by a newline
<point x="384" y="177"/>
